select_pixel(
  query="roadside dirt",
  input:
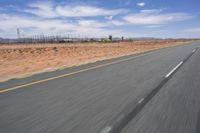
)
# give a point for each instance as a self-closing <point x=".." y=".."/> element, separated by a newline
<point x="19" y="60"/>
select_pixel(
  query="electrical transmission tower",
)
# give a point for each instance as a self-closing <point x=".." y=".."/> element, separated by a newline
<point x="18" y="32"/>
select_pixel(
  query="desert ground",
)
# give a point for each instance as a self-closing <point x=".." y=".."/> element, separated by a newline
<point x="20" y="60"/>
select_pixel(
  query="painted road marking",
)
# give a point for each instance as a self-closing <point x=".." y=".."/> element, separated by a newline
<point x="174" y="69"/>
<point x="106" y="129"/>
<point x="131" y="113"/>
<point x="76" y="72"/>
<point x="193" y="50"/>
<point x="141" y="100"/>
<point x="72" y="73"/>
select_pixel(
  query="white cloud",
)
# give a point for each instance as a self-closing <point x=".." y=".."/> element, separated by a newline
<point x="41" y="9"/>
<point x="11" y="22"/>
<point x="35" y="26"/>
<point x="149" y="11"/>
<point x="109" y="17"/>
<point x="117" y="22"/>
<point x="141" y="4"/>
<point x="47" y="9"/>
<point x="155" y="17"/>
<point x="81" y="11"/>
<point x="48" y="18"/>
<point x="92" y="23"/>
<point x="154" y="26"/>
<point x="194" y="30"/>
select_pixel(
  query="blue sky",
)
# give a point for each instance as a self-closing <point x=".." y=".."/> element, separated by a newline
<point x="100" y="18"/>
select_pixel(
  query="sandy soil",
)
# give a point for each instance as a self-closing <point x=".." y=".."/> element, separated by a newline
<point x="20" y="60"/>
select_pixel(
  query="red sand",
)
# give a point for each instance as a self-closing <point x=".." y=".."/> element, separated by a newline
<point x="16" y="60"/>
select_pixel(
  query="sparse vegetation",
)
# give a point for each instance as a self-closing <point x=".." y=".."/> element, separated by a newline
<point x="17" y="59"/>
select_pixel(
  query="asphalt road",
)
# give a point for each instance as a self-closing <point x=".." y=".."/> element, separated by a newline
<point x="90" y="100"/>
<point x="176" y="108"/>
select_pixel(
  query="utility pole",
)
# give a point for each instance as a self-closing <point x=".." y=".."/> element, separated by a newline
<point x="122" y="38"/>
<point x="18" y="33"/>
<point x="110" y="37"/>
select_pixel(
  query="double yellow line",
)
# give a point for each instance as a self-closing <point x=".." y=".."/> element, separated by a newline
<point x="69" y="74"/>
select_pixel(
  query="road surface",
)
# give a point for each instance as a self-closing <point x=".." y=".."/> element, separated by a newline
<point x="109" y="96"/>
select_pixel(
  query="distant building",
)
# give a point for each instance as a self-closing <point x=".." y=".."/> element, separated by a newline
<point x="110" y="37"/>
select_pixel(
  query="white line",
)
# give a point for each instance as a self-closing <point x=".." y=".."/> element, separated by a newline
<point x="106" y="129"/>
<point x="193" y="50"/>
<point x="174" y="69"/>
<point x="141" y="100"/>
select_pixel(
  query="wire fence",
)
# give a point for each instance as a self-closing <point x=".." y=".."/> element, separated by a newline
<point x="56" y="39"/>
<point x="42" y="39"/>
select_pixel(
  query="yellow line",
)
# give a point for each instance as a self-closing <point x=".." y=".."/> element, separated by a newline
<point x="68" y="74"/>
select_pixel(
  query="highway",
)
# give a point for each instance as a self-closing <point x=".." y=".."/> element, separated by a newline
<point x="152" y="92"/>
